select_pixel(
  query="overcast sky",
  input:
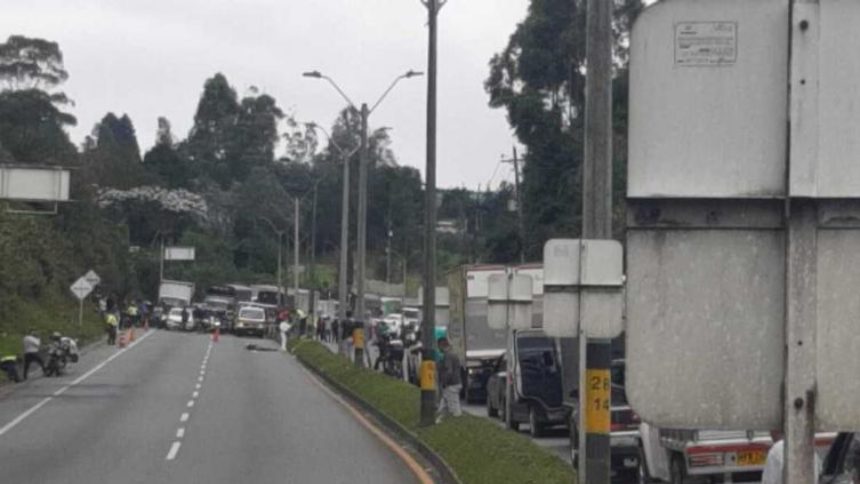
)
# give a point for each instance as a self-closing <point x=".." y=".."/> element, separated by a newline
<point x="150" y="59"/>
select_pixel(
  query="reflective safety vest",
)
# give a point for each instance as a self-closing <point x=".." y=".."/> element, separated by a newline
<point x="9" y="359"/>
<point x="111" y="320"/>
<point x="132" y="310"/>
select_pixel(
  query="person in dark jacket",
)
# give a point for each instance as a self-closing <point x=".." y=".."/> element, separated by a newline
<point x="449" y="381"/>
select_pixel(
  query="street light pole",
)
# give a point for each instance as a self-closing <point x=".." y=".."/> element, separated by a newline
<point x="296" y="251"/>
<point x="361" y="223"/>
<point x="428" y="366"/>
<point x="365" y="113"/>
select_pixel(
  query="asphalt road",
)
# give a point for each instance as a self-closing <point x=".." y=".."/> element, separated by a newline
<point x="176" y="408"/>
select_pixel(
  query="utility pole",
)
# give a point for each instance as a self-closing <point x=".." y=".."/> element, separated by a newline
<point x="313" y="265"/>
<point x="280" y="264"/>
<point x="296" y="251"/>
<point x="428" y="366"/>
<point x="520" y="224"/>
<point x="388" y="236"/>
<point x="595" y="356"/>
<point x="161" y="262"/>
<point x="362" y="214"/>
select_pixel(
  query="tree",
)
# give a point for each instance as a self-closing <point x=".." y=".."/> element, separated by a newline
<point x="112" y="154"/>
<point x="30" y="63"/>
<point x="165" y="161"/>
<point x="209" y="140"/>
<point x="252" y="141"/>
<point x="32" y="128"/>
<point x="539" y="78"/>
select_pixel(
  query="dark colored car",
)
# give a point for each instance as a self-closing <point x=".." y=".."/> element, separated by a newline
<point x="479" y="368"/>
<point x="537" y="391"/>
<point x="842" y="464"/>
<point x="624" y="437"/>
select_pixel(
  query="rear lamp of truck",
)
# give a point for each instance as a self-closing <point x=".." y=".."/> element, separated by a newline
<point x="710" y="459"/>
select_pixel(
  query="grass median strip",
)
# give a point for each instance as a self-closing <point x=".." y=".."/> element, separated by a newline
<point x="476" y="449"/>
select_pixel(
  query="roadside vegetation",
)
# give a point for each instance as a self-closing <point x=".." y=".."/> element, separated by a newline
<point x="478" y="450"/>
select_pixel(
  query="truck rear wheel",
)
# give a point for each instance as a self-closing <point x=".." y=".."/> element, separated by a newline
<point x="678" y="469"/>
<point x="535" y="426"/>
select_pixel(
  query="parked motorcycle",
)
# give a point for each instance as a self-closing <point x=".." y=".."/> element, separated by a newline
<point x="60" y="353"/>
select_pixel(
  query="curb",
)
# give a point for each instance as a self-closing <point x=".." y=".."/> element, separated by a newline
<point x="447" y="474"/>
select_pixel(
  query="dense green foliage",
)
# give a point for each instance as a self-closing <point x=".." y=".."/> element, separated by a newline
<point x="478" y="450"/>
<point x="539" y="79"/>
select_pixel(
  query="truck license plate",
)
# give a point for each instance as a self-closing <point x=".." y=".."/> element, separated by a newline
<point x="751" y="458"/>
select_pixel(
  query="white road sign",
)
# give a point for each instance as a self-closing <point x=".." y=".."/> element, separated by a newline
<point x="81" y="288"/>
<point x="93" y="278"/>
<point x="179" y="253"/>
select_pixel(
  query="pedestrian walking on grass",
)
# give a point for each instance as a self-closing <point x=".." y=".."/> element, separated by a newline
<point x="32" y="345"/>
<point x="450" y="381"/>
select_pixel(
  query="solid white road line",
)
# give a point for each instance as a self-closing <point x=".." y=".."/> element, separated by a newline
<point x="180" y="432"/>
<point x="9" y="426"/>
<point x="184" y="417"/>
<point x="174" y="449"/>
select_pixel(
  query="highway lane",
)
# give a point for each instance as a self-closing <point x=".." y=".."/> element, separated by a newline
<point x="177" y="408"/>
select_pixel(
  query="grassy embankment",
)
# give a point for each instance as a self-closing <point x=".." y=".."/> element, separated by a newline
<point x="46" y="316"/>
<point x="477" y="449"/>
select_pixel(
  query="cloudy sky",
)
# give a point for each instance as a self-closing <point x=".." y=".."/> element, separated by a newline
<point x="150" y="59"/>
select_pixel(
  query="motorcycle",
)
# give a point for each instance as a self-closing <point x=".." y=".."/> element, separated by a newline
<point x="390" y="356"/>
<point x="62" y="351"/>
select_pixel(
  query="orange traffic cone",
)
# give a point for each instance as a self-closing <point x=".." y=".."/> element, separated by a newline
<point x="146" y="324"/>
<point x="121" y="340"/>
<point x="216" y="335"/>
<point x="131" y="336"/>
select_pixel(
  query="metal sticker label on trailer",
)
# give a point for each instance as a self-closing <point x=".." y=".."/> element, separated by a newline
<point x="706" y="44"/>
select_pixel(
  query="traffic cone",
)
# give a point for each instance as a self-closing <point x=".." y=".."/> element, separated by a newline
<point x="216" y="335"/>
<point x="131" y="336"/>
<point x="146" y="324"/>
<point x="121" y="340"/>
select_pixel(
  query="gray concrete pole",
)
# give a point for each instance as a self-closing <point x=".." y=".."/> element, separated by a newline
<point x="296" y="250"/>
<point x="343" y="290"/>
<point x="362" y="214"/>
<point x="519" y="207"/>
<point x="594" y="422"/>
<point x="428" y="383"/>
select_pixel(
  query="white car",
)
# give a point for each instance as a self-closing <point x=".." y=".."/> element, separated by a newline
<point x="174" y="320"/>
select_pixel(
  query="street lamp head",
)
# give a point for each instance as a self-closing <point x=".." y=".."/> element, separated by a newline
<point x="314" y="74"/>
<point x="412" y="73"/>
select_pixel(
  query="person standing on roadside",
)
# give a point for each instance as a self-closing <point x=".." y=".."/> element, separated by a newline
<point x="111" y="326"/>
<point x="450" y="381"/>
<point x="283" y="328"/>
<point x="774" y="466"/>
<point x="32" y="345"/>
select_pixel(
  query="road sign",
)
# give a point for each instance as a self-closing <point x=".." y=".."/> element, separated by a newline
<point x="179" y="253"/>
<point x="47" y="184"/>
<point x="583" y="282"/>
<point x="509" y="301"/>
<point x="81" y="288"/>
<point x="93" y="278"/>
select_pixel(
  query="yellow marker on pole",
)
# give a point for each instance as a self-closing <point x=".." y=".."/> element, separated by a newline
<point x="428" y="375"/>
<point x="598" y="395"/>
<point x="358" y="338"/>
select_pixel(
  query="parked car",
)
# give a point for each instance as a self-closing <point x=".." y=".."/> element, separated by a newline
<point x="537" y="385"/>
<point x="174" y="320"/>
<point x="251" y="320"/>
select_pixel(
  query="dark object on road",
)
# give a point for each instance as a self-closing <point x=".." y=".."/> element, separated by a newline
<point x="253" y="347"/>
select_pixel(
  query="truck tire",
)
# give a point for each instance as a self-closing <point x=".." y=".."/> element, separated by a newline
<point x="536" y="429"/>
<point x="491" y="411"/>
<point x="678" y="469"/>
